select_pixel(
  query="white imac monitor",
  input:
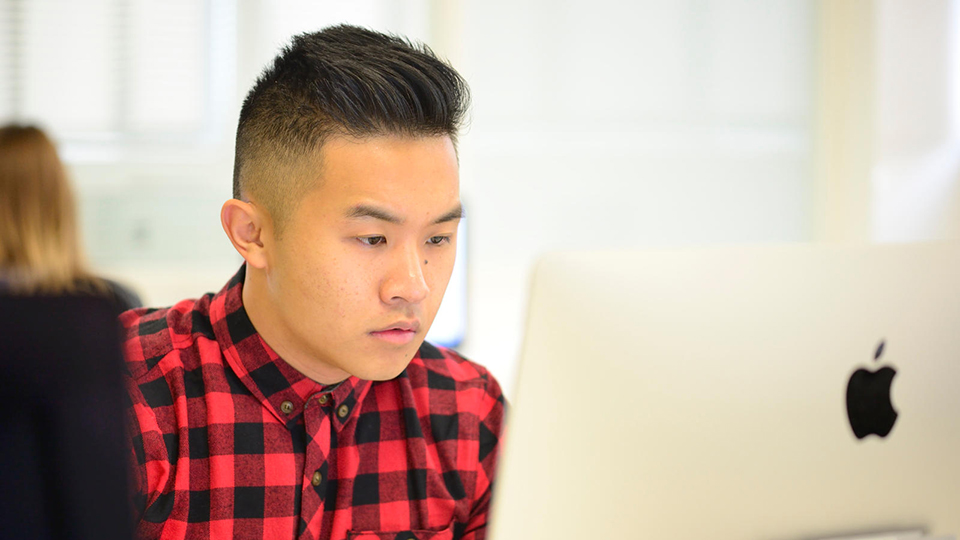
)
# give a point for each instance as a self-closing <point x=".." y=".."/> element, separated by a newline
<point x="737" y="393"/>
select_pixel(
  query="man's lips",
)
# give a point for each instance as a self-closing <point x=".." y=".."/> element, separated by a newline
<point x="398" y="333"/>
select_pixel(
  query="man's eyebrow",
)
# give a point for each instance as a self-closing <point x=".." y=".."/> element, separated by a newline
<point x="366" y="211"/>
<point x="452" y="215"/>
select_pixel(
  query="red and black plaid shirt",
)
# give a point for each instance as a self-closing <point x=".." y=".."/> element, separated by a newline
<point x="232" y="442"/>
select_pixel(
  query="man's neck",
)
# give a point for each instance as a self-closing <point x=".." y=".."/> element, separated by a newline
<point x="268" y="322"/>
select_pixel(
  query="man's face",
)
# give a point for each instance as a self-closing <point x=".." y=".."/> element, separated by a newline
<point x="357" y="277"/>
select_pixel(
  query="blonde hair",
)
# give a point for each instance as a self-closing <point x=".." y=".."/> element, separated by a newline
<point x="40" y="248"/>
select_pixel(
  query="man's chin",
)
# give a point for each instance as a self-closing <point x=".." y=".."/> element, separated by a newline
<point x="389" y="367"/>
<point x="384" y="374"/>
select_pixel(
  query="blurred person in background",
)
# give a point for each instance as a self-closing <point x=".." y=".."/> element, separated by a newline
<point x="40" y="251"/>
<point x="63" y="441"/>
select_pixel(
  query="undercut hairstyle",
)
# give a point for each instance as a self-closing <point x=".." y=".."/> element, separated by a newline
<point x="341" y="81"/>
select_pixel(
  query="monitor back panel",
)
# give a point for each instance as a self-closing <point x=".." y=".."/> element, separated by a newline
<point x="703" y="394"/>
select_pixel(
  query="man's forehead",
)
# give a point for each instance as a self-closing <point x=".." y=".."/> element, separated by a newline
<point x="370" y="164"/>
<point x="338" y="149"/>
<point x="391" y="178"/>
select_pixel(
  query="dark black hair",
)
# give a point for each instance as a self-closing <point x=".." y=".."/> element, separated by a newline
<point x="343" y="80"/>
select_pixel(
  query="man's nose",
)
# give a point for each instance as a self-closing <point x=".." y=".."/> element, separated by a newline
<point x="405" y="280"/>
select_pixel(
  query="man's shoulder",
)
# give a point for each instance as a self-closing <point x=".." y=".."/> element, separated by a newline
<point x="152" y="334"/>
<point x="458" y="398"/>
<point x="441" y="368"/>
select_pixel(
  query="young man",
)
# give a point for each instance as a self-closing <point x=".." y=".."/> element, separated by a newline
<point x="301" y="401"/>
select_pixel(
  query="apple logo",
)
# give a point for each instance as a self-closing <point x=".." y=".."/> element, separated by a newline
<point x="868" y="400"/>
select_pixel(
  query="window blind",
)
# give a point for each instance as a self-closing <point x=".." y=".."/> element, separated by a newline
<point x="102" y="69"/>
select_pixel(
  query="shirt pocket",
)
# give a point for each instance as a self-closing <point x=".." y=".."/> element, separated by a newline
<point x="445" y="534"/>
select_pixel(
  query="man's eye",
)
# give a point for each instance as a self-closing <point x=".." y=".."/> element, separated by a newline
<point x="437" y="240"/>
<point x="372" y="240"/>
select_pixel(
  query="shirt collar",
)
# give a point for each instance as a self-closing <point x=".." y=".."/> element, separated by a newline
<point x="283" y="390"/>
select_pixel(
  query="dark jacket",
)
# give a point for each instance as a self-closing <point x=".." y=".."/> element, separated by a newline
<point x="63" y="444"/>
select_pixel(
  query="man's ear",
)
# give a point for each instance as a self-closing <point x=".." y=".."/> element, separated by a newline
<point x="248" y="227"/>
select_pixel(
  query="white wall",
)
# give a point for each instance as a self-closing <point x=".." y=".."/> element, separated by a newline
<point x="887" y="156"/>
<point x="916" y="175"/>
<point x="605" y="124"/>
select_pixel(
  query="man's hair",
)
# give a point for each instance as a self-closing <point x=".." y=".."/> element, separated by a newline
<point x="340" y="81"/>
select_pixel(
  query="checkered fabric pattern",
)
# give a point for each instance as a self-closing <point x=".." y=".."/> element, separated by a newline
<point x="229" y="441"/>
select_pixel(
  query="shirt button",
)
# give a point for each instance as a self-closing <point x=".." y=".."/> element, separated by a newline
<point x="343" y="411"/>
<point x="317" y="478"/>
<point x="324" y="399"/>
<point x="286" y="407"/>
